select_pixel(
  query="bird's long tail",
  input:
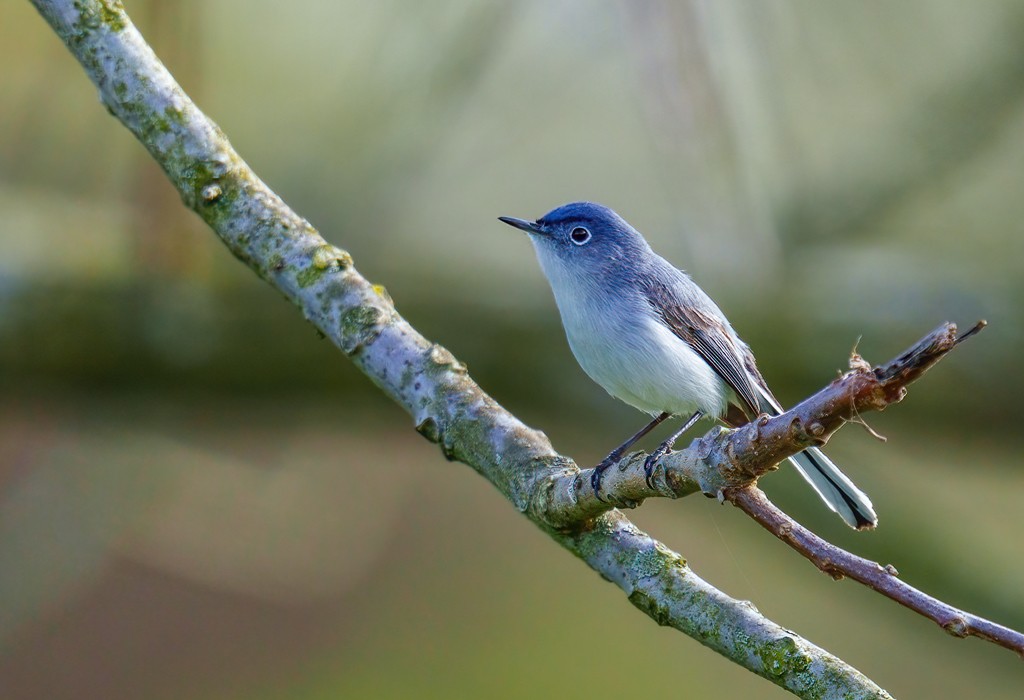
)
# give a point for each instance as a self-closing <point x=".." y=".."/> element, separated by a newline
<point x="836" y="489"/>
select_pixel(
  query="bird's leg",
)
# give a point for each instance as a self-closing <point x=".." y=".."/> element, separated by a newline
<point x="665" y="447"/>
<point x="616" y="454"/>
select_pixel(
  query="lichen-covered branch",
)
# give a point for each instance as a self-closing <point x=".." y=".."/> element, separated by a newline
<point x="424" y="378"/>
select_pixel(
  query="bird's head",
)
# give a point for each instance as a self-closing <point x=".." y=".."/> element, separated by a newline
<point x="582" y="239"/>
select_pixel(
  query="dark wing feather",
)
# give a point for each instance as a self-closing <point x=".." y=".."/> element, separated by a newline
<point x="706" y="334"/>
<point x="769" y="404"/>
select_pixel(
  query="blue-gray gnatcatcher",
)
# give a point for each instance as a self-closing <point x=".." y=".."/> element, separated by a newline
<point x="646" y="332"/>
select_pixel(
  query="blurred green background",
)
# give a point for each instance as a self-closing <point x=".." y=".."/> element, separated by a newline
<point x="201" y="499"/>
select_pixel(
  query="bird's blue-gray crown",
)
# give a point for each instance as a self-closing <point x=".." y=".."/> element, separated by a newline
<point x="584" y="230"/>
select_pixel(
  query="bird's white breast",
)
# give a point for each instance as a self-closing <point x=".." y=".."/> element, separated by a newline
<point x="623" y="346"/>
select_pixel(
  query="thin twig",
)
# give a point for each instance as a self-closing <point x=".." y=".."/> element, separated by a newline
<point x="837" y="563"/>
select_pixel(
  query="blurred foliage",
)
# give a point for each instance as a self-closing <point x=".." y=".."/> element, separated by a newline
<point x="201" y="498"/>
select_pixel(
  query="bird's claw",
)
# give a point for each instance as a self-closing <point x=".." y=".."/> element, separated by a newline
<point x="651" y="464"/>
<point x="595" y="478"/>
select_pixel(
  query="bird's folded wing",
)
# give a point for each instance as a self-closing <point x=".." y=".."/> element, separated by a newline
<point x="707" y="335"/>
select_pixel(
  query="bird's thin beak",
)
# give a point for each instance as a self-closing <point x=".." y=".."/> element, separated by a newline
<point x="523" y="224"/>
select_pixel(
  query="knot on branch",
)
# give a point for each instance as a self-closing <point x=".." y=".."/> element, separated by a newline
<point x="724" y="457"/>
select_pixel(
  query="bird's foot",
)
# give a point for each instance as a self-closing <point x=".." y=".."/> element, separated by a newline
<point x="599" y="470"/>
<point x="651" y="463"/>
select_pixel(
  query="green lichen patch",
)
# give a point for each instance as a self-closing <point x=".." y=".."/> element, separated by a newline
<point x="655" y="609"/>
<point x="328" y="257"/>
<point x="112" y="15"/>
<point x="782" y="657"/>
<point x="651" y="561"/>
<point x="275" y="263"/>
<point x="360" y="326"/>
<point x="309" y="275"/>
<point x="101" y="13"/>
<point x="172" y="116"/>
<point x="645" y="563"/>
<point x="198" y="179"/>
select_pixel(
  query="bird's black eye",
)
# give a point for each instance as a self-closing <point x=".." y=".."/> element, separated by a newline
<point x="579" y="235"/>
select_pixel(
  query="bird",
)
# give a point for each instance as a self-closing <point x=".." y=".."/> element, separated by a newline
<point x="650" y="336"/>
